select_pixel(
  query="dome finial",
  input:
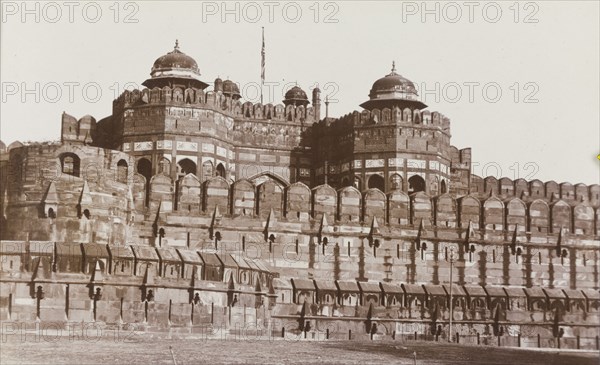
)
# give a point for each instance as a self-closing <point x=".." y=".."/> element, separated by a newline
<point x="177" y="44"/>
<point x="393" y="66"/>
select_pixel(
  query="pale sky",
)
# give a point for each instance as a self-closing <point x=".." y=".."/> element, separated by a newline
<point x="542" y="56"/>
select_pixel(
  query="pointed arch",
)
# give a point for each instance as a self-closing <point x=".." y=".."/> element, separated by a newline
<point x="416" y="184"/>
<point x="144" y="168"/>
<point x="186" y="166"/>
<point x="220" y="171"/>
<point x="264" y="176"/>
<point x="376" y="181"/>
<point x="122" y="171"/>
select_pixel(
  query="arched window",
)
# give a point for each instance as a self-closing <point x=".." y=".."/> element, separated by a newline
<point x="396" y="182"/>
<point x="433" y="188"/>
<point x="186" y="166"/>
<point x="144" y="168"/>
<point x="207" y="170"/>
<point x="416" y="184"/>
<point x="376" y="182"/>
<point x="122" y="171"/>
<point x="443" y="187"/>
<point x="70" y="163"/>
<point x="164" y="166"/>
<point x="220" y="170"/>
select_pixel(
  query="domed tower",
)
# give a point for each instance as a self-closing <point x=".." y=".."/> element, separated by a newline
<point x="231" y="89"/>
<point x="175" y="69"/>
<point x="393" y="90"/>
<point x="218" y="84"/>
<point x="173" y="128"/>
<point x="391" y="145"/>
<point x="295" y="96"/>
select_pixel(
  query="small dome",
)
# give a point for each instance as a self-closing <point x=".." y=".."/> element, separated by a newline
<point x="295" y="96"/>
<point x="393" y="90"/>
<point x="392" y="83"/>
<point x="231" y="88"/>
<point x="175" y="69"/>
<point x="175" y="60"/>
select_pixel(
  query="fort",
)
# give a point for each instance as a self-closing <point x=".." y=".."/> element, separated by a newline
<point x="188" y="208"/>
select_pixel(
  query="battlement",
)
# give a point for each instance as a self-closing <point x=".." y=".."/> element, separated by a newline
<point x="549" y="191"/>
<point x="492" y="204"/>
<point x="215" y="100"/>
<point x="391" y="116"/>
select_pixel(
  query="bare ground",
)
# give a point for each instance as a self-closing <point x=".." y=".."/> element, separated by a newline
<point x="154" y="350"/>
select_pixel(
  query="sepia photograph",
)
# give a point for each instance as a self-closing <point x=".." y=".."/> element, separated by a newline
<point x="300" y="182"/>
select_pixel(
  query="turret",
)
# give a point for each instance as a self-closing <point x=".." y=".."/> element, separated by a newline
<point x="218" y="84"/>
<point x="316" y="100"/>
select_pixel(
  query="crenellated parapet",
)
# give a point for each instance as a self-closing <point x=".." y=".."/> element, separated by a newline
<point x="278" y="113"/>
<point x="395" y="116"/>
<point x="52" y="181"/>
<point x="549" y="191"/>
<point x="217" y="100"/>
<point x="392" y="131"/>
<point x="349" y="206"/>
<point x="161" y="96"/>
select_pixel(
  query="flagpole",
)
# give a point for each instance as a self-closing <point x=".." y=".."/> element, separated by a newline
<point x="262" y="68"/>
<point x="451" y="311"/>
